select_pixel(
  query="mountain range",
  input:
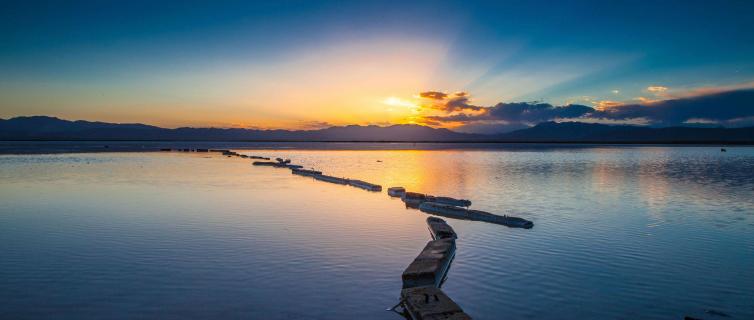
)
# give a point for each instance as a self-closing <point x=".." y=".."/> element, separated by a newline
<point x="51" y="128"/>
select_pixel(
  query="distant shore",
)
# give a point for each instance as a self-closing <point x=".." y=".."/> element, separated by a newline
<point x="77" y="146"/>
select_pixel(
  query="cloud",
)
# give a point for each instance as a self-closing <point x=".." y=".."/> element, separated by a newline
<point x="531" y="112"/>
<point x="657" y="89"/>
<point x="435" y="95"/>
<point x="604" y="104"/>
<point x="729" y="108"/>
<point x="459" y="101"/>
<point x="722" y="108"/>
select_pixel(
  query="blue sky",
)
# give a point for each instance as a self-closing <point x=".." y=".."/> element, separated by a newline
<point x="307" y="64"/>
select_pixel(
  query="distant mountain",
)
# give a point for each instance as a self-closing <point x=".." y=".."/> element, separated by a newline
<point x="593" y="132"/>
<point x="50" y="128"/>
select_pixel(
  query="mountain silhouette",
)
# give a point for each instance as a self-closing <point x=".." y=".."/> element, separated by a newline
<point x="51" y="128"/>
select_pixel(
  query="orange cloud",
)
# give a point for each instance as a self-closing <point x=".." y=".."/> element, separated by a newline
<point x="606" y="104"/>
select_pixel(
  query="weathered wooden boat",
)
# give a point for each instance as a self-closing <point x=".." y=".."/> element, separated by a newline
<point x="364" y="185"/>
<point x="439" y="229"/>
<point x="330" y="179"/>
<point x="505" y="220"/>
<point x="264" y="163"/>
<point x="476" y="215"/>
<point x="396" y="191"/>
<point x="451" y="201"/>
<point x="444" y="209"/>
<point x="305" y="172"/>
<point x="431" y="265"/>
<point x="413" y="199"/>
<point x="430" y="303"/>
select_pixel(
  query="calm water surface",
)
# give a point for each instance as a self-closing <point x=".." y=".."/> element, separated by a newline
<point x="620" y="233"/>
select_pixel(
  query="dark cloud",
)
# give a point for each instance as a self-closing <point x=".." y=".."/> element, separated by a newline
<point x="536" y="112"/>
<point x="731" y="108"/>
<point x="723" y="108"/>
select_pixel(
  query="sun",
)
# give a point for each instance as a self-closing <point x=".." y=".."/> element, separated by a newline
<point x="398" y="102"/>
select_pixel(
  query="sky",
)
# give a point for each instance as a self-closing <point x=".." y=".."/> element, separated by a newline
<point x="466" y="65"/>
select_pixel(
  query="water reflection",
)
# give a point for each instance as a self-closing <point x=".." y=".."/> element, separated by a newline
<point x="642" y="232"/>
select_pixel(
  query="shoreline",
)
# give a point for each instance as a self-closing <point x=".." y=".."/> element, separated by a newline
<point x="99" y="146"/>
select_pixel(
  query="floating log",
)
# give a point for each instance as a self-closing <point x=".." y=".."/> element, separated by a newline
<point x="431" y="265"/>
<point x="439" y="229"/>
<point x="430" y="303"/>
<point x="476" y="215"/>
<point x="364" y="185"/>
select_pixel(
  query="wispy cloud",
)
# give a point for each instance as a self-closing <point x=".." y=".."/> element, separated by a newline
<point x="657" y="89"/>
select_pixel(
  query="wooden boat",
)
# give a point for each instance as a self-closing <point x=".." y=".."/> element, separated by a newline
<point x="396" y="191"/>
<point x="439" y="229"/>
<point x="413" y="199"/>
<point x="452" y="201"/>
<point x="431" y="265"/>
<point x="330" y="179"/>
<point x="264" y="163"/>
<point x="476" y="215"/>
<point x="428" y="302"/>
<point x="364" y="185"/>
<point x="305" y="172"/>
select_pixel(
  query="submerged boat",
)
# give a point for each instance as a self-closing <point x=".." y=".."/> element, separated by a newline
<point x="396" y="191"/>
<point x="413" y="199"/>
<point x="477" y="215"/>
<point x="439" y="229"/>
<point x="364" y="185"/>
<point x="264" y="163"/>
<point x="430" y="267"/>
<point x="444" y="209"/>
<point x="452" y="201"/>
<point x="505" y="220"/>
<point x="330" y="179"/>
<point x="305" y="172"/>
<point x="428" y="302"/>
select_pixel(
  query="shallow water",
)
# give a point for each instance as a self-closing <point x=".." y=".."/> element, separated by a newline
<point x="620" y="233"/>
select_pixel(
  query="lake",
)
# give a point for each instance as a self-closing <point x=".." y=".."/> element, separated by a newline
<point x="620" y="232"/>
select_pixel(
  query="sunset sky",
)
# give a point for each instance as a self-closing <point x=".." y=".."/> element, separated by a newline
<point x="471" y="66"/>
